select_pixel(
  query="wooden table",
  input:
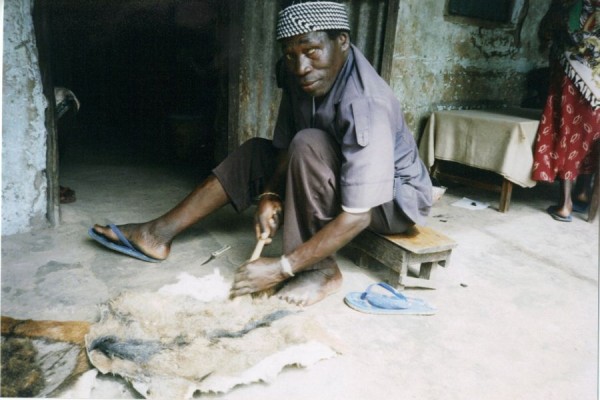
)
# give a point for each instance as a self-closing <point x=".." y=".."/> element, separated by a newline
<point x="500" y="141"/>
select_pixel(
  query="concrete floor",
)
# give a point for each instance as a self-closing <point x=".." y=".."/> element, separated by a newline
<point x="518" y="304"/>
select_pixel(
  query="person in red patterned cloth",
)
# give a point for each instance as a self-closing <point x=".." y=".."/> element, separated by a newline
<point x="570" y="123"/>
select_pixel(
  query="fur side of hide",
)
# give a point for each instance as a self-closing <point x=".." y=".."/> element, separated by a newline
<point x="170" y="345"/>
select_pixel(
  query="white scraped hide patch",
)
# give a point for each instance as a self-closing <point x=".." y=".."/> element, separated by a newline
<point x="189" y="338"/>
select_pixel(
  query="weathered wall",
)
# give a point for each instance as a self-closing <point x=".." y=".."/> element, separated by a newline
<point x="24" y="180"/>
<point x="439" y="64"/>
<point x="253" y="107"/>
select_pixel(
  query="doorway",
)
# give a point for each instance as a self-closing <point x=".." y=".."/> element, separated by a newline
<point x="149" y="76"/>
<point x="173" y="82"/>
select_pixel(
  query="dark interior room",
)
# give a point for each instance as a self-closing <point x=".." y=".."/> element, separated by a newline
<point x="147" y="77"/>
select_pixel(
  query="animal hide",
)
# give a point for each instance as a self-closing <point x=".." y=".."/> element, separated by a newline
<point x="41" y="358"/>
<point x="173" y="345"/>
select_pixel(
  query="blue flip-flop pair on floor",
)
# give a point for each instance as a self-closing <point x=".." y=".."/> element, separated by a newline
<point x="124" y="246"/>
<point x="372" y="302"/>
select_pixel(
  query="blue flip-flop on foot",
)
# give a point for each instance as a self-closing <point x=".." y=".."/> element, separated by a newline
<point x="124" y="247"/>
<point x="553" y="211"/>
<point x="372" y="302"/>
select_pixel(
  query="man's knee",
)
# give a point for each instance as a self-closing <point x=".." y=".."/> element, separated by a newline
<point x="308" y="142"/>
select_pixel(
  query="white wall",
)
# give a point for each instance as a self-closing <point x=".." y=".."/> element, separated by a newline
<point x="24" y="180"/>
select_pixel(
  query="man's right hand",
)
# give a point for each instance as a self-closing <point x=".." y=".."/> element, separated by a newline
<point x="268" y="216"/>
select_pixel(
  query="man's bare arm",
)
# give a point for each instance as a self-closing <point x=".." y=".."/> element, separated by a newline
<point x="335" y="235"/>
<point x="266" y="272"/>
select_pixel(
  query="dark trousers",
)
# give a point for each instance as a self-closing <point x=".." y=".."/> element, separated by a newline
<point x="312" y="188"/>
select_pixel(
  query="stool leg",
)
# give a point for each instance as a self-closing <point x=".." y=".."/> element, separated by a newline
<point x="397" y="277"/>
<point x="426" y="269"/>
<point x="362" y="260"/>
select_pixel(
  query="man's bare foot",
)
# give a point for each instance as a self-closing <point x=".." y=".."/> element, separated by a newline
<point x="311" y="286"/>
<point x="141" y="237"/>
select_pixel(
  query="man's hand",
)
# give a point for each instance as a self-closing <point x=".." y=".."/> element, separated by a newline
<point x="256" y="276"/>
<point x="268" y="216"/>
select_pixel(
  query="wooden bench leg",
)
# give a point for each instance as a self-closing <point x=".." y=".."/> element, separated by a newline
<point x="505" y="195"/>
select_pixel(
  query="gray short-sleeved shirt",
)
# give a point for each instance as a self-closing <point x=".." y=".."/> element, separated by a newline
<point x="380" y="161"/>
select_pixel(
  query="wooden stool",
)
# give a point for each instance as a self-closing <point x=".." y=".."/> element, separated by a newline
<point x="420" y="245"/>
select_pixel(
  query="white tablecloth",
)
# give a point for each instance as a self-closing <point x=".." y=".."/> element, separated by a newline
<point x="500" y="141"/>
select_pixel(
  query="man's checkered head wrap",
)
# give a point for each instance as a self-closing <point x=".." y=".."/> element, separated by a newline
<point x="310" y="17"/>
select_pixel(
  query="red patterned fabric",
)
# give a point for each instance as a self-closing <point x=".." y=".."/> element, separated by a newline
<point x="568" y="127"/>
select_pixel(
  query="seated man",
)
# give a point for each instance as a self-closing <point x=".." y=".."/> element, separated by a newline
<point x="341" y="160"/>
